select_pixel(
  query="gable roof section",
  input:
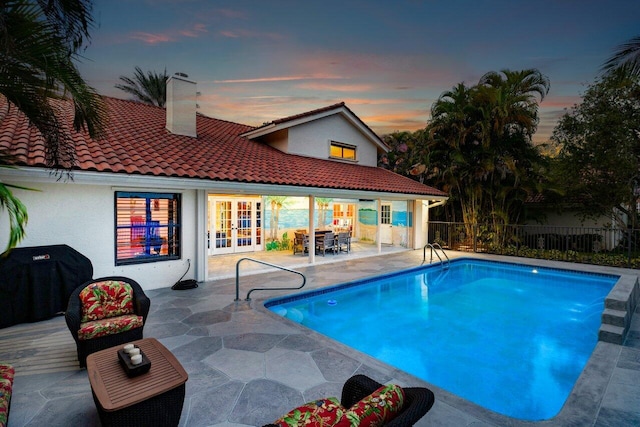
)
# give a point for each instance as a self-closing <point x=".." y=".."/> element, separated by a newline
<point x="319" y="113"/>
<point x="137" y="143"/>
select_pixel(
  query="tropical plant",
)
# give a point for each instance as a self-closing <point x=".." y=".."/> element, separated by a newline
<point x="481" y="144"/>
<point x="323" y="205"/>
<point x="276" y="203"/>
<point x="599" y="160"/>
<point x="39" y="42"/>
<point x="626" y="57"/>
<point x="150" y="88"/>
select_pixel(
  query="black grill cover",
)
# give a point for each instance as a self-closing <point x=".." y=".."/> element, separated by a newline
<point x="36" y="282"/>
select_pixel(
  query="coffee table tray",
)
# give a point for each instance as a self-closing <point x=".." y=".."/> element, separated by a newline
<point x="131" y="369"/>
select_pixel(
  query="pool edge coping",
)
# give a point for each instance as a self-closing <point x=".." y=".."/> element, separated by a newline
<point x="592" y="378"/>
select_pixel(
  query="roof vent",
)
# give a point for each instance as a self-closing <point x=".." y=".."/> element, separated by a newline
<point x="181" y="105"/>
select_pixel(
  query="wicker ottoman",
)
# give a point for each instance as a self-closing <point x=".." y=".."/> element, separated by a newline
<point x="154" y="398"/>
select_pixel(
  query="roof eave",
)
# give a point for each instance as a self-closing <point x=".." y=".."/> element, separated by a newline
<point x="121" y="180"/>
<point x="342" y="110"/>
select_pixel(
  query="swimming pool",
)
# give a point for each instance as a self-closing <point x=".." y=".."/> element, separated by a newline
<point x="511" y="338"/>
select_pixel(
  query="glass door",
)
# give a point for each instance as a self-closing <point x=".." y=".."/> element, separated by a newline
<point x="234" y="225"/>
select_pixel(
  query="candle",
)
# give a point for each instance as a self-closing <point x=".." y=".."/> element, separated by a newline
<point x="128" y="348"/>
<point x="134" y="351"/>
<point x="136" y="359"/>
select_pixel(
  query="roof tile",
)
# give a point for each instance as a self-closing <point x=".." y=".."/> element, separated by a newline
<point x="137" y="142"/>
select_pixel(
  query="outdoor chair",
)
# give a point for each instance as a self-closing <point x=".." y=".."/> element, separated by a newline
<point x="300" y="243"/>
<point x="357" y="394"/>
<point x="106" y="312"/>
<point x="326" y="242"/>
<point x="343" y="242"/>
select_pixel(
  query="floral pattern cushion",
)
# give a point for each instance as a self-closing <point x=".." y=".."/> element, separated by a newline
<point x="109" y="326"/>
<point x="380" y="407"/>
<point x="6" y="386"/>
<point x="110" y="298"/>
<point x="323" y="412"/>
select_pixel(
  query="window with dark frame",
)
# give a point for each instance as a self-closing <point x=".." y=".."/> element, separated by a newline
<point x="343" y="151"/>
<point x="147" y="227"/>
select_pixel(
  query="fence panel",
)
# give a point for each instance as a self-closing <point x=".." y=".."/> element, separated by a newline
<point x="603" y="246"/>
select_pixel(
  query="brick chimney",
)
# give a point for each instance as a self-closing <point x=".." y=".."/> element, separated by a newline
<point x="181" y="106"/>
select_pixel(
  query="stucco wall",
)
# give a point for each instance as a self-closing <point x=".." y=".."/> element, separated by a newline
<point x="82" y="216"/>
<point x="313" y="139"/>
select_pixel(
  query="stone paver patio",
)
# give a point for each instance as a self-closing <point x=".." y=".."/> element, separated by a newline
<point x="247" y="366"/>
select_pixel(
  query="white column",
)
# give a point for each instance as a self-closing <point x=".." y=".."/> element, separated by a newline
<point x="419" y="224"/>
<point x="312" y="234"/>
<point x="378" y="226"/>
<point x="201" y="263"/>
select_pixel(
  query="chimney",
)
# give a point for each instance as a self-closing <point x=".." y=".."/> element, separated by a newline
<point x="181" y="106"/>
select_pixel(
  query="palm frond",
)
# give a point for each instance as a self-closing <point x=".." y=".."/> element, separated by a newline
<point x="626" y="56"/>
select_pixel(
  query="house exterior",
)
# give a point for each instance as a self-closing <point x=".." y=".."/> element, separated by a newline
<point x="167" y="189"/>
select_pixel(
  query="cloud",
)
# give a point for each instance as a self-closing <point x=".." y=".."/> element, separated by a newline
<point x="196" y="31"/>
<point x="151" y="38"/>
<point x="276" y="79"/>
<point x="336" y="87"/>
<point x="249" y="34"/>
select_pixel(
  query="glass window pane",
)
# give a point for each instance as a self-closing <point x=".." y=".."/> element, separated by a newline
<point x="147" y="227"/>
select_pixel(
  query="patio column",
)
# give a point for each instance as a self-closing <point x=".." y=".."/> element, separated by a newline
<point x="312" y="234"/>
<point x="201" y="261"/>
<point x="378" y="226"/>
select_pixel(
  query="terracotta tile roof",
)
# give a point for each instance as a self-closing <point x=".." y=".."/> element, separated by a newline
<point x="318" y="111"/>
<point x="137" y="143"/>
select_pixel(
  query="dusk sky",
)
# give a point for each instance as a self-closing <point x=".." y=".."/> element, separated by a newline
<point x="256" y="61"/>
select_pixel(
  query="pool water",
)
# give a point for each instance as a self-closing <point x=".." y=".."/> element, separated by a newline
<point x="511" y="338"/>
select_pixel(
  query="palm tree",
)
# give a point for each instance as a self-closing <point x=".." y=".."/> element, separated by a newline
<point x="485" y="131"/>
<point x="627" y="57"/>
<point x="39" y="42"/>
<point x="276" y="203"/>
<point x="150" y="88"/>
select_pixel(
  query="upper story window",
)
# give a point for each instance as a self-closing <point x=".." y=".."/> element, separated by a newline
<point x="342" y="151"/>
<point x="147" y="227"/>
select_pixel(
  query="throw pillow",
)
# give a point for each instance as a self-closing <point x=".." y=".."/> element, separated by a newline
<point x="110" y="298"/>
<point x="380" y="407"/>
<point x="319" y="413"/>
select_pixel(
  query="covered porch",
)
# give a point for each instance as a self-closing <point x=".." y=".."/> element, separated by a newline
<point x="224" y="266"/>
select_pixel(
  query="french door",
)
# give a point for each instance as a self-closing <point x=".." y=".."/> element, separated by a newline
<point x="235" y="225"/>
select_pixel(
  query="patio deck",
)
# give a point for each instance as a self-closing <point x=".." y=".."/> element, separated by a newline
<point x="247" y="366"/>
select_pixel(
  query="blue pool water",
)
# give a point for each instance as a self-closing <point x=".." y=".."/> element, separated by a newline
<point x="511" y="338"/>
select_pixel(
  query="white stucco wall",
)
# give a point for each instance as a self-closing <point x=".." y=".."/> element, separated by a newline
<point x="82" y="216"/>
<point x="314" y="138"/>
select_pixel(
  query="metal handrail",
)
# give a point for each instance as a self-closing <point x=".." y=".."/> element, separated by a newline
<point x="434" y="248"/>
<point x="304" y="279"/>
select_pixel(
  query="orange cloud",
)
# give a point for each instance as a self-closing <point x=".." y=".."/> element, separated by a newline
<point x="336" y="88"/>
<point x="276" y="79"/>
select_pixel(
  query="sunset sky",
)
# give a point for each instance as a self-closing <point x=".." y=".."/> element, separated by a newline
<point x="256" y="61"/>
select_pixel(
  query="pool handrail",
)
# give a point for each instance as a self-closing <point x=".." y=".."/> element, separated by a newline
<point x="434" y="248"/>
<point x="304" y="278"/>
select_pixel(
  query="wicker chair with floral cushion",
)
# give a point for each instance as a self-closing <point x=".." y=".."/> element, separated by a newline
<point x="106" y="312"/>
<point x="364" y="402"/>
<point x="7" y="373"/>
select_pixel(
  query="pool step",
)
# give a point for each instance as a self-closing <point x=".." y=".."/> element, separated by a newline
<point x="611" y="334"/>
<point x="613" y="317"/>
<point x="619" y="307"/>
